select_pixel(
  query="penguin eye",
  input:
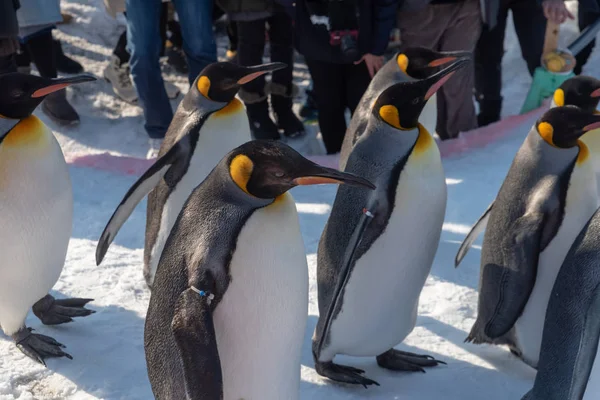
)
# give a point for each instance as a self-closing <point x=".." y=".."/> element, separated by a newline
<point x="278" y="174"/>
<point x="415" y="101"/>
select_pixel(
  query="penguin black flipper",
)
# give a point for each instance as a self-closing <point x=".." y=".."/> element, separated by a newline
<point x="194" y="333"/>
<point x="475" y="231"/>
<point x="134" y="195"/>
<point x="521" y="246"/>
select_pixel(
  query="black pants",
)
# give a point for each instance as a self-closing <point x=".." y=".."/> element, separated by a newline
<point x="530" y="26"/>
<point x="336" y="87"/>
<point x="585" y="19"/>
<point x="251" y="44"/>
<point x="39" y="48"/>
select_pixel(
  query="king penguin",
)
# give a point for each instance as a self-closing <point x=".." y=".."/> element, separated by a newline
<point x="412" y="63"/>
<point x="378" y="247"/>
<point x="37" y="213"/>
<point x="229" y="304"/>
<point x="548" y="195"/>
<point x="581" y="91"/>
<point x="569" y="368"/>
<point x="209" y="122"/>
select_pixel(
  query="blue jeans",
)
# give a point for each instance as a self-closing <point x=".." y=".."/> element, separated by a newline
<point x="144" y="45"/>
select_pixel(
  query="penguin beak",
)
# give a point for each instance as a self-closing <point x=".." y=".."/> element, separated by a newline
<point x="322" y="175"/>
<point x="449" y="57"/>
<point x="595" y="93"/>
<point x="54" y="85"/>
<point x="251" y="73"/>
<point x="592" y="126"/>
<point x="437" y="80"/>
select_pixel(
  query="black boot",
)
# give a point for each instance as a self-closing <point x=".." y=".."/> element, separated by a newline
<point x="57" y="107"/>
<point x="261" y="124"/>
<point x="65" y="64"/>
<point x="282" y="102"/>
<point x="489" y="111"/>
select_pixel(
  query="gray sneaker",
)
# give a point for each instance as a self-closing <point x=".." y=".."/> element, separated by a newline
<point x="118" y="76"/>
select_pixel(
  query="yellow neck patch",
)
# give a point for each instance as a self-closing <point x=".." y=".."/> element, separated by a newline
<point x="390" y="115"/>
<point x="424" y="141"/>
<point x="204" y="86"/>
<point x="240" y="170"/>
<point x="234" y="106"/>
<point x="559" y="97"/>
<point x="30" y="131"/>
<point x="546" y="131"/>
<point x="584" y="152"/>
<point x="402" y="61"/>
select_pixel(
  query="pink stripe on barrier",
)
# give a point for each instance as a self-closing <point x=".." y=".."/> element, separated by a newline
<point x="467" y="141"/>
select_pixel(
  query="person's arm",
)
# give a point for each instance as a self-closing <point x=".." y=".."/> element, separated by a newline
<point x="384" y="18"/>
<point x="556" y="11"/>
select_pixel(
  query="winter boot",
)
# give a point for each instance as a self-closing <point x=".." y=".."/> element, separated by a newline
<point x="261" y="124"/>
<point x="309" y="110"/>
<point x="489" y="111"/>
<point x="65" y="64"/>
<point x="118" y="76"/>
<point x="282" y="102"/>
<point x="56" y="106"/>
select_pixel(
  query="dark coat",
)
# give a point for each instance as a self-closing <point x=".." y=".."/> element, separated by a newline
<point x="376" y="20"/>
<point x="9" y="26"/>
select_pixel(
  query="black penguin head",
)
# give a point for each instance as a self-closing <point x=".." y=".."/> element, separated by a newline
<point x="400" y="105"/>
<point x="581" y="91"/>
<point x="20" y="94"/>
<point x="221" y="81"/>
<point x="421" y="62"/>
<point x="268" y="168"/>
<point x="563" y="126"/>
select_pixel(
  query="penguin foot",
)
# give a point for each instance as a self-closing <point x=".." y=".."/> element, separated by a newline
<point x="344" y="374"/>
<point x="53" y="312"/>
<point x="397" y="360"/>
<point x="38" y="347"/>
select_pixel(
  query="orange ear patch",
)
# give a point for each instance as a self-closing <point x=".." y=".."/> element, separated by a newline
<point x="402" y="61"/>
<point x="390" y="115"/>
<point x="204" y="86"/>
<point x="546" y="132"/>
<point x="240" y="170"/>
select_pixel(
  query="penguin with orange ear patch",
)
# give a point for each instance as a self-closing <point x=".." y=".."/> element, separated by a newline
<point x="36" y="200"/>
<point x="209" y="122"/>
<point x="547" y="197"/>
<point x="378" y="247"/>
<point x="408" y="65"/>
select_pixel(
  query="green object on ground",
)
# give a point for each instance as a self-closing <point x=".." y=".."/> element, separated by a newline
<point x="543" y="86"/>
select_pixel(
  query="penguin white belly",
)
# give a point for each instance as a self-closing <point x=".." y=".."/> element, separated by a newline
<point x="381" y="299"/>
<point x="592" y="140"/>
<point x="581" y="203"/>
<point x="428" y="117"/>
<point x="219" y="135"/>
<point x="36" y="211"/>
<point x="261" y="321"/>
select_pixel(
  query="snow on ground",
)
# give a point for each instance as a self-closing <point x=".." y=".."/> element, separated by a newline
<point x="107" y="346"/>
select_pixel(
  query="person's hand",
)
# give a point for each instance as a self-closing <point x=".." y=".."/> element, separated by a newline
<point x="556" y="11"/>
<point x="373" y="62"/>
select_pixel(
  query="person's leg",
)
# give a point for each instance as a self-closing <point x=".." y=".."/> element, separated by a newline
<point x="488" y="70"/>
<point x="357" y="80"/>
<point x="40" y="47"/>
<point x="530" y="27"/>
<point x="164" y="14"/>
<point x="120" y="50"/>
<point x="456" y="111"/>
<point x="329" y="87"/>
<point x="143" y="42"/>
<point x="8" y="50"/>
<point x="585" y="19"/>
<point x="282" y="87"/>
<point x="195" y="20"/>
<point x="251" y="45"/>
<point x="65" y="64"/>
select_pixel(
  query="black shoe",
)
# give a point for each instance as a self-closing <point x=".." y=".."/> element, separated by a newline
<point x="309" y="108"/>
<point x="261" y="124"/>
<point x="287" y="121"/>
<point x="57" y="107"/>
<point x="65" y="64"/>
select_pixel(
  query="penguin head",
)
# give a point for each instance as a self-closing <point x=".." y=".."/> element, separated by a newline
<point x="20" y="94"/>
<point x="581" y="91"/>
<point x="421" y="62"/>
<point x="221" y="81"/>
<point x="268" y="168"/>
<point x="563" y="126"/>
<point x="401" y="104"/>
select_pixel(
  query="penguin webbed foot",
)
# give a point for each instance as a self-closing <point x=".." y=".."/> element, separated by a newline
<point x="343" y="374"/>
<point x="54" y="312"/>
<point x="38" y="347"/>
<point x="397" y="360"/>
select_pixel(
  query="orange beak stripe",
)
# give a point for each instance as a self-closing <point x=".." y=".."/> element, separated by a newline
<point x="441" y="61"/>
<point x="49" y="89"/>
<point x="314" y="180"/>
<point x="251" y="77"/>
